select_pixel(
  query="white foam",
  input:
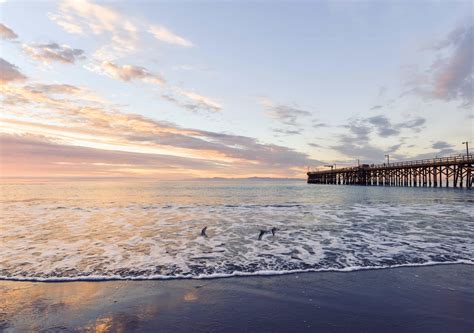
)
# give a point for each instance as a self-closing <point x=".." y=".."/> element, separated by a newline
<point x="228" y="275"/>
<point x="143" y="241"/>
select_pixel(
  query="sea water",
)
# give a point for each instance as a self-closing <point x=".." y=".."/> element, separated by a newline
<point x="152" y="230"/>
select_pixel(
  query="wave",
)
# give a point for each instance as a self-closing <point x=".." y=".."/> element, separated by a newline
<point x="62" y="241"/>
<point x="227" y="275"/>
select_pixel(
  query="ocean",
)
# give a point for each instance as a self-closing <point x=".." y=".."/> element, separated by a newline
<point x="152" y="230"/>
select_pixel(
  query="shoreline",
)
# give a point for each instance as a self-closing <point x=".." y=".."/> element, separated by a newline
<point x="435" y="298"/>
<point x="103" y="278"/>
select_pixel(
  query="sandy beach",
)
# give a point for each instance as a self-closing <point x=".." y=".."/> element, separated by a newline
<point x="411" y="299"/>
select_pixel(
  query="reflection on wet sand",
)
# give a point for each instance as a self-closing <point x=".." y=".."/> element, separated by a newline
<point x="191" y="296"/>
<point x="38" y="300"/>
<point x="103" y="307"/>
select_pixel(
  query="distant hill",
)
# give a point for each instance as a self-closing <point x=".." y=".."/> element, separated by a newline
<point x="250" y="178"/>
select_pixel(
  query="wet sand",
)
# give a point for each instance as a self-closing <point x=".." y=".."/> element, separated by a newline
<point x="421" y="299"/>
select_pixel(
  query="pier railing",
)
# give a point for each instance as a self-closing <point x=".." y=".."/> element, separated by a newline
<point x="431" y="161"/>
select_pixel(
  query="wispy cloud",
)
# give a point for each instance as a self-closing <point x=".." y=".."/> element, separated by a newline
<point x="81" y="16"/>
<point x="165" y="35"/>
<point x="127" y="72"/>
<point x="73" y="121"/>
<point x="24" y="155"/>
<point x="287" y="115"/>
<point x="188" y="100"/>
<point x="53" y="52"/>
<point x="44" y="52"/>
<point x="48" y="96"/>
<point x="439" y="149"/>
<point x="9" y="72"/>
<point x="54" y="89"/>
<point x="361" y="139"/>
<point x="200" y="101"/>
<point x="7" y="33"/>
<point x="441" y="145"/>
<point x="126" y="35"/>
<point x="191" y="101"/>
<point x="450" y="76"/>
<point x="315" y="123"/>
<point x="124" y="32"/>
<point x="286" y="131"/>
<point x="386" y="128"/>
<point x="291" y="117"/>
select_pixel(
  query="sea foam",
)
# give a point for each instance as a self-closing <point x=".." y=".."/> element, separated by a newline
<point x="44" y="241"/>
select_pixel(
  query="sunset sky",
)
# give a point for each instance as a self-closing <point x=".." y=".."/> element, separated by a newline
<point x="174" y="89"/>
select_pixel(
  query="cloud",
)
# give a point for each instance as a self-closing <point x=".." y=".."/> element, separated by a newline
<point x="415" y="123"/>
<point x="126" y="36"/>
<point x="316" y="124"/>
<point x="456" y="36"/>
<point x="32" y="155"/>
<point x="450" y="76"/>
<point x="53" y="52"/>
<point x="285" y="114"/>
<point x="358" y="142"/>
<point x="234" y="155"/>
<point x="127" y="72"/>
<point x="48" y="96"/>
<point x="78" y="16"/>
<point x="385" y="128"/>
<point x="69" y="119"/>
<point x="60" y="89"/>
<point x="192" y="101"/>
<point x="286" y="132"/>
<point x="366" y="152"/>
<point x="7" y="33"/>
<point x="441" y="145"/>
<point x="375" y="107"/>
<point x="9" y="72"/>
<point x="165" y="35"/>
<point x="200" y="101"/>
<point x="188" y="100"/>
<point x="453" y="79"/>
<point x="123" y="32"/>
<point x="441" y="149"/>
<point x="360" y="131"/>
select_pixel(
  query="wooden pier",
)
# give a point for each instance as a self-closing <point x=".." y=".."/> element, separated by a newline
<point x="454" y="171"/>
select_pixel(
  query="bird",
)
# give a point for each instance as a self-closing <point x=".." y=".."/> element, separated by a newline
<point x="203" y="231"/>
<point x="262" y="232"/>
<point x="274" y="230"/>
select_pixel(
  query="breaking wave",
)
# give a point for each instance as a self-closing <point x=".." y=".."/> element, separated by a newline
<point x="63" y="242"/>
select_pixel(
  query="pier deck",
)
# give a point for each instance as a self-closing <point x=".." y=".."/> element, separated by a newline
<point x="454" y="171"/>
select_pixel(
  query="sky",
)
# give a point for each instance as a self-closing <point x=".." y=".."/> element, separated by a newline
<point x="197" y="89"/>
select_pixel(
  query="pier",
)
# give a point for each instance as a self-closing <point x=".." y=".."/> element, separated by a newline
<point x="454" y="171"/>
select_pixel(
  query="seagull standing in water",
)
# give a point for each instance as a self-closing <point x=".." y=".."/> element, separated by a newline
<point x="274" y="230"/>
<point x="203" y="231"/>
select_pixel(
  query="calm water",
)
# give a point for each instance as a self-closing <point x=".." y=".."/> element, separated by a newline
<point x="152" y="230"/>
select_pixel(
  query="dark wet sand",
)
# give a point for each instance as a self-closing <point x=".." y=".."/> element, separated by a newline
<point x="422" y="299"/>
